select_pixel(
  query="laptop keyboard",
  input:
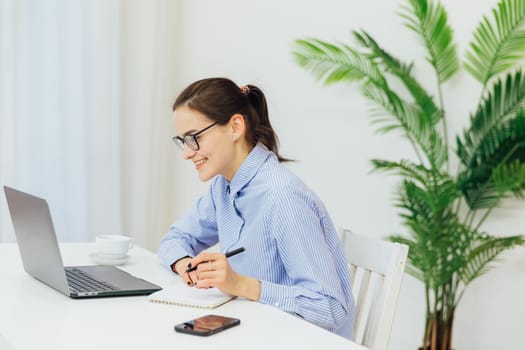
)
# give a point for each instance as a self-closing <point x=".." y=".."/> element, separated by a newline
<point x="80" y="281"/>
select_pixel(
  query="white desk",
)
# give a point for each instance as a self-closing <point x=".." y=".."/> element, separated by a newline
<point x="35" y="316"/>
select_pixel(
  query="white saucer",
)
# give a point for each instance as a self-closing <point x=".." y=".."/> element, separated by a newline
<point x="105" y="260"/>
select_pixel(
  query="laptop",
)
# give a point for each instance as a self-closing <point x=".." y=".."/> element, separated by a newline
<point x="41" y="257"/>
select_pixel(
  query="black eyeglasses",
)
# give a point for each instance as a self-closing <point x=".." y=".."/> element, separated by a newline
<point x="190" y="140"/>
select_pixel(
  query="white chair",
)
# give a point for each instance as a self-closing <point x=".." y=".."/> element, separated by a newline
<point x="376" y="268"/>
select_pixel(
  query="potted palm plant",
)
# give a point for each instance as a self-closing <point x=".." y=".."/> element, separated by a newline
<point x="443" y="210"/>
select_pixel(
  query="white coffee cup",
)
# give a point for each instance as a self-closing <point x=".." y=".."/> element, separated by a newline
<point x="113" y="246"/>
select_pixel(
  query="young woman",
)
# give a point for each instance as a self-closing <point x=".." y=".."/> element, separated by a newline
<point x="293" y="258"/>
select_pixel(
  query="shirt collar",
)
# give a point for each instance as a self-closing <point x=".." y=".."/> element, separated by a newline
<point x="249" y="168"/>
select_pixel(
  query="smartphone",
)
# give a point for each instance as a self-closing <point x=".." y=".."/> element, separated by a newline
<point x="207" y="325"/>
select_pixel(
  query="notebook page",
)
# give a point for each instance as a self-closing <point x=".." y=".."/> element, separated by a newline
<point x="183" y="295"/>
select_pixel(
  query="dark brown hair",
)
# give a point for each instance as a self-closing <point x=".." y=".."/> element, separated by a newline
<point x="220" y="98"/>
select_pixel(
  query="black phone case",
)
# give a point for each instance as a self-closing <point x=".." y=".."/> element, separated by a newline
<point x="182" y="328"/>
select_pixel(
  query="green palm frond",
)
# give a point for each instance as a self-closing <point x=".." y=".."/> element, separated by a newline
<point x="392" y="64"/>
<point x="435" y="148"/>
<point x="452" y="253"/>
<point x="498" y="43"/>
<point x="435" y="231"/>
<point x="505" y="99"/>
<point x="494" y="169"/>
<point x="403" y="72"/>
<point x="331" y="63"/>
<point x="414" y="212"/>
<point x="510" y="178"/>
<point x="429" y="20"/>
<point x="395" y="113"/>
<point x="485" y="252"/>
<point x="428" y="204"/>
<point x="504" y="142"/>
<point x="388" y="104"/>
<point x="441" y="186"/>
<point x="416" y="202"/>
<point x="405" y="168"/>
<point x="478" y="192"/>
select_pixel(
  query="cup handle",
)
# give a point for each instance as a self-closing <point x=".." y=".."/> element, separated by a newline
<point x="131" y="244"/>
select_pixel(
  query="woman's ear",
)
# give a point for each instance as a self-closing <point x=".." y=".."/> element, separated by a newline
<point x="238" y="125"/>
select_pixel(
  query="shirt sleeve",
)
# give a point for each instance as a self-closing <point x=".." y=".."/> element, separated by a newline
<point x="299" y="227"/>
<point x="194" y="232"/>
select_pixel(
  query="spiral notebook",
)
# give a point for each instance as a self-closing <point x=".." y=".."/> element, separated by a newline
<point x="183" y="295"/>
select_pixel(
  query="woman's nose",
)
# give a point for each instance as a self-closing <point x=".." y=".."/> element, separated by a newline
<point x="188" y="152"/>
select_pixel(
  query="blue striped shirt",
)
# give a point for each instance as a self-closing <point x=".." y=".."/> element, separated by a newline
<point x="291" y="244"/>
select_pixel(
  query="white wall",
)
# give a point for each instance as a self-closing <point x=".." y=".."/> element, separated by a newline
<point x="327" y="130"/>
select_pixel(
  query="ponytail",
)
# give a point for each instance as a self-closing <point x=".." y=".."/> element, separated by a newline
<point x="262" y="130"/>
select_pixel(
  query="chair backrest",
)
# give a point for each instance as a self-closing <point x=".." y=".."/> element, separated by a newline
<point x="376" y="268"/>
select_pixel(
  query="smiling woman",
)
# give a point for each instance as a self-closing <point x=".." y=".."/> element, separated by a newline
<point x="293" y="259"/>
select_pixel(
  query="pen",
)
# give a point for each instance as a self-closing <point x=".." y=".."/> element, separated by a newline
<point x="230" y="253"/>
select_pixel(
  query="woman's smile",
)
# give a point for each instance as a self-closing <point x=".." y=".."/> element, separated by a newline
<point x="199" y="163"/>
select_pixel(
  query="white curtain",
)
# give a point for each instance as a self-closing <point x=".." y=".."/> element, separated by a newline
<point x="86" y="88"/>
